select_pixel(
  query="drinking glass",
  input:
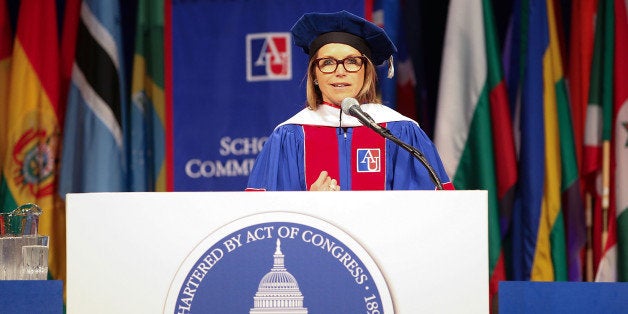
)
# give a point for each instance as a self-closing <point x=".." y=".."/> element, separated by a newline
<point x="34" y="262"/>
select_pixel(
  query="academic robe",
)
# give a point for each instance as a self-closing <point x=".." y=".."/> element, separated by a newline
<point x="355" y="155"/>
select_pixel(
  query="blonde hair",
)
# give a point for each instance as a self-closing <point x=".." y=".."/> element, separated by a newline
<point x="368" y="93"/>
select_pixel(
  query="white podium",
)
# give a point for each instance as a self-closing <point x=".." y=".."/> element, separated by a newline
<point x="187" y="252"/>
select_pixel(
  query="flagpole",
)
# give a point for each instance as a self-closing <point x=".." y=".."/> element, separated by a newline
<point x="589" y="246"/>
<point x="606" y="175"/>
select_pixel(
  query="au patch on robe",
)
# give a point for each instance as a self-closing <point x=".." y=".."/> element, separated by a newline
<point x="368" y="160"/>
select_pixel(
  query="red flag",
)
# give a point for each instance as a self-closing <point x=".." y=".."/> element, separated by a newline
<point x="5" y="66"/>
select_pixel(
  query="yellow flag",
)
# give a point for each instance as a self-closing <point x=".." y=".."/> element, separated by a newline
<point x="32" y="129"/>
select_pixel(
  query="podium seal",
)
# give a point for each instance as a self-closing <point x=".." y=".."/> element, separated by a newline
<point x="279" y="262"/>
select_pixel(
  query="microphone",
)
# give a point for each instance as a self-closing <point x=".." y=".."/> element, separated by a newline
<point x="351" y="106"/>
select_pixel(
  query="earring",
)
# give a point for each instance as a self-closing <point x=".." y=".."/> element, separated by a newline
<point x="315" y="82"/>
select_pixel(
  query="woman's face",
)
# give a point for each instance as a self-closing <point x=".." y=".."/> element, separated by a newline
<point x="339" y="84"/>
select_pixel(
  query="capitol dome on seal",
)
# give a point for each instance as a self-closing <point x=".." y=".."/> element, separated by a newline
<point x="278" y="280"/>
<point x="278" y="290"/>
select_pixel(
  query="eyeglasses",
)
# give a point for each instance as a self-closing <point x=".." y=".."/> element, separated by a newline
<point x="329" y="65"/>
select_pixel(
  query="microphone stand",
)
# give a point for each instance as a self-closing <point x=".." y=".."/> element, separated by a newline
<point x="413" y="151"/>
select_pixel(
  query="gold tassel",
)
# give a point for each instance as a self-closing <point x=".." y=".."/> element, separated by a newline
<point x="391" y="67"/>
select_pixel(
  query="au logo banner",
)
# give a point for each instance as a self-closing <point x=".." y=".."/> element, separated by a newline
<point x="235" y="74"/>
<point x="268" y="57"/>
<point x="279" y="262"/>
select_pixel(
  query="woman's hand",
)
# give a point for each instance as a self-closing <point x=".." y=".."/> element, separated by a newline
<point x="325" y="183"/>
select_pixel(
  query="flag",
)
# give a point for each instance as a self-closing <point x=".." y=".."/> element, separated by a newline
<point x="577" y="75"/>
<point x="613" y="265"/>
<point x="93" y="158"/>
<point x="579" y="69"/>
<point x="548" y="221"/>
<point x="6" y="43"/>
<point x="511" y="55"/>
<point x="620" y="144"/>
<point x="473" y="130"/>
<point x="598" y="124"/>
<point x="147" y="136"/>
<point x="526" y="213"/>
<point x="569" y="199"/>
<point x="32" y="128"/>
<point x="71" y="17"/>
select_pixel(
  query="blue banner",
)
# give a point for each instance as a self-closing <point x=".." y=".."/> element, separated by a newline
<point x="236" y="74"/>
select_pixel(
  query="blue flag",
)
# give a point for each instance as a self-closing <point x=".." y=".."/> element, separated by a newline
<point x="92" y="158"/>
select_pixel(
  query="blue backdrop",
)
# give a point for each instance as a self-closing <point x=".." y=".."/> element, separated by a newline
<point x="236" y="75"/>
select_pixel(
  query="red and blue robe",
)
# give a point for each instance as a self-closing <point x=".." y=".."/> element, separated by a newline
<point x="357" y="157"/>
